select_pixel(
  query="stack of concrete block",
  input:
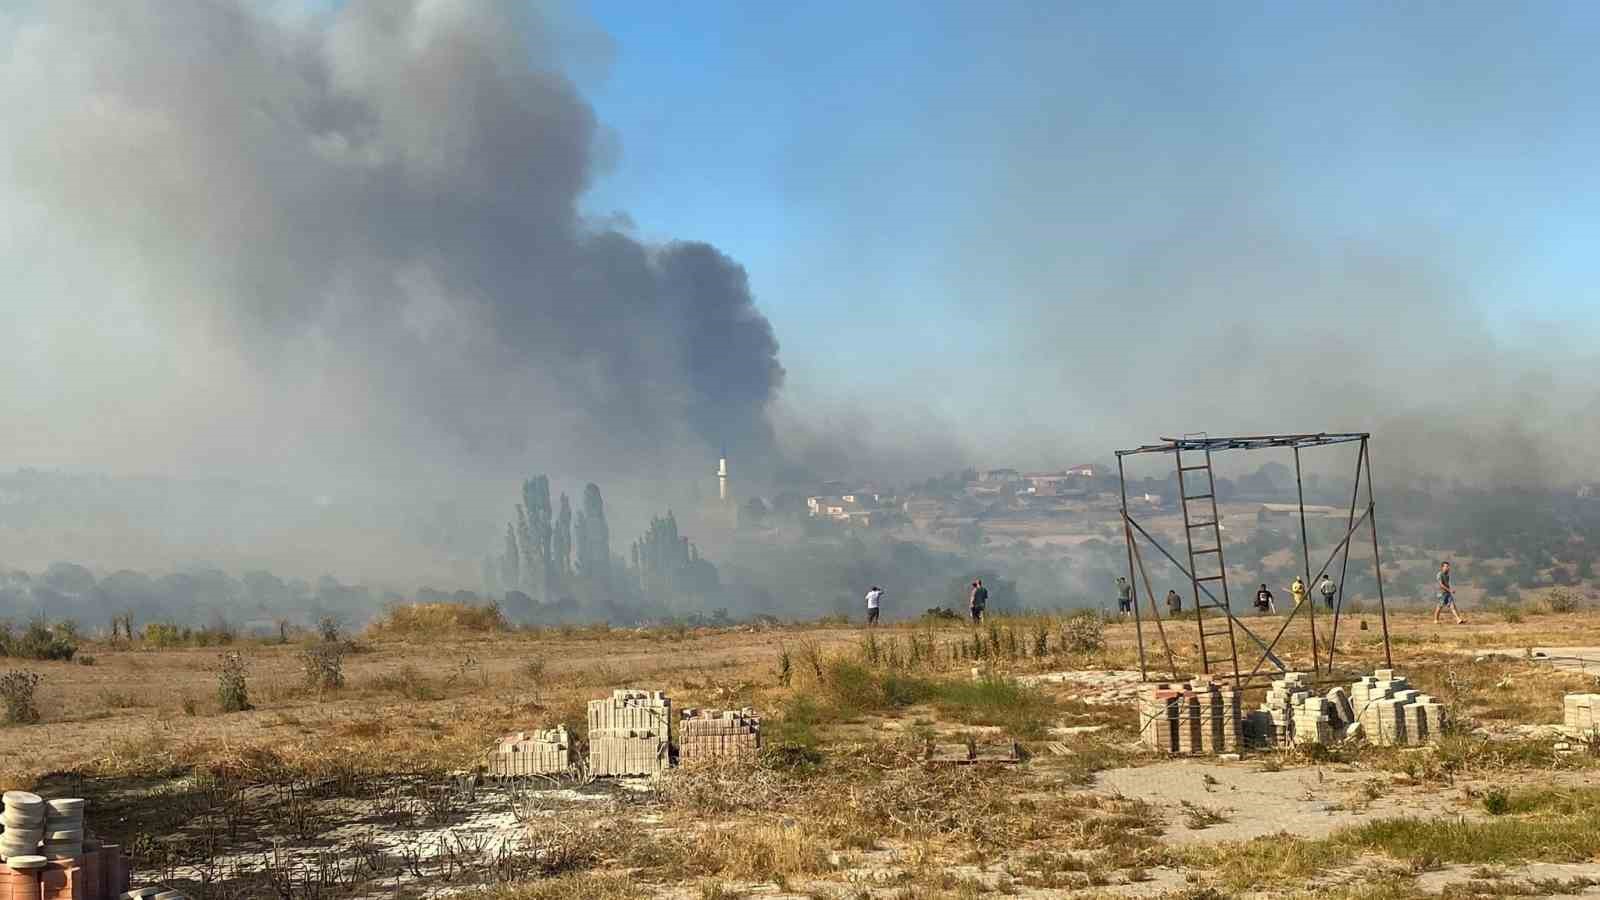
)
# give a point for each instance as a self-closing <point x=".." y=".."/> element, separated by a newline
<point x="1311" y="723"/>
<point x="1579" y="713"/>
<point x="1158" y="716"/>
<point x="709" y="733"/>
<point x="629" y="733"/>
<point x="1201" y="717"/>
<point x="1283" y="704"/>
<point x="1220" y="725"/>
<point x="1341" y="712"/>
<point x="1391" y="712"/>
<point x="547" y="752"/>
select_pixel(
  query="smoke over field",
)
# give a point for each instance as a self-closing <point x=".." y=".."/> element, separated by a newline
<point x="342" y="247"/>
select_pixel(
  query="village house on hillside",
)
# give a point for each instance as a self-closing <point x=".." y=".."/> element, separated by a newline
<point x="1071" y="480"/>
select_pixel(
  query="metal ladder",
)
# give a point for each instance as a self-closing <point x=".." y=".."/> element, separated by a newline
<point x="1213" y="651"/>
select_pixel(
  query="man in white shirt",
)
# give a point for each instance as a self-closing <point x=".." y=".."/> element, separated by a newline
<point x="874" y="597"/>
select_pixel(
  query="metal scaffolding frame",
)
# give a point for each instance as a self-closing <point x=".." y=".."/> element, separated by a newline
<point x="1223" y="623"/>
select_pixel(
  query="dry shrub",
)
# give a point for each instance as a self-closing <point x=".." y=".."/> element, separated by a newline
<point x="424" y="619"/>
<point x="16" y="690"/>
<point x="759" y="853"/>
<point x="714" y="786"/>
<point x="323" y="666"/>
<point x="1083" y="632"/>
<point x="232" y="692"/>
<point x="961" y="802"/>
<point x="588" y="885"/>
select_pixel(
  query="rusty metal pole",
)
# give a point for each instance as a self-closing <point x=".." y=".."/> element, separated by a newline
<point x="1305" y="553"/>
<point x="1127" y="534"/>
<point x="1344" y="562"/>
<point x="1377" y="564"/>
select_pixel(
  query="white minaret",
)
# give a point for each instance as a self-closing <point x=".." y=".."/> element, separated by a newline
<point x="722" y="477"/>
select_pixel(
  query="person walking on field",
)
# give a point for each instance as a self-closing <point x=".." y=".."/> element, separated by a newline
<point x="978" y="600"/>
<point x="1264" y="601"/>
<point x="1174" y="603"/>
<point x="874" y="599"/>
<point x="1327" y="589"/>
<point x="1298" y="591"/>
<point x="1447" y="596"/>
<point x="1124" y="596"/>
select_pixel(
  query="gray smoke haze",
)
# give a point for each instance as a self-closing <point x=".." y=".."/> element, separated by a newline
<point x="342" y="248"/>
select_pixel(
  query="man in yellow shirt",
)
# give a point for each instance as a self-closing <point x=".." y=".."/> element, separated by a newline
<point x="1298" y="590"/>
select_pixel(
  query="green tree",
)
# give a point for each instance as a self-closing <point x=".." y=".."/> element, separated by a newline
<point x="593" y="536"/>
<point x="561" y="545"/>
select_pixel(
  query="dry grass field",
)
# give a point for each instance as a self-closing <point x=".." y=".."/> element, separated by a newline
<point x="353" y="790"/>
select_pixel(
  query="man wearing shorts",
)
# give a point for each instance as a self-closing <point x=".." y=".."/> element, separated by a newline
<point x="1447" y="597"/>
<point x="1124" y="596"/>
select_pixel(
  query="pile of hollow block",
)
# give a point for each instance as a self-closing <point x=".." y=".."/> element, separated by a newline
<point x="629" y="733"/>
<point x="1578" y="714"/>
<point x="1274" y="723"/>
<point x="547" y="752"/>
<point x="1381" y="707"/>
<point x="1390" y="712"/>
<point x="1189" y="718"/>
<point x="709" y="733"/>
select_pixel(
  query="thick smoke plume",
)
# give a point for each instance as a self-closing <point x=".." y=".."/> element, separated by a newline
<point x="342" y="246"/>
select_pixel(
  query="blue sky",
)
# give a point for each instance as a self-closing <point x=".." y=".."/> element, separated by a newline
<point x="914" y="181"/>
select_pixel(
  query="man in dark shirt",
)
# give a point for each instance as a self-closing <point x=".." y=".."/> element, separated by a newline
<point x="1174" y="603"/>
<point x="978" y="600"/>
<point x="1447" y="596"/>
<point x="1264" y="601"/>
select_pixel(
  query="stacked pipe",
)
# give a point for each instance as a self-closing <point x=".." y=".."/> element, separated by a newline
<point x="24" y="824"/>
<point x="63" y="829"/>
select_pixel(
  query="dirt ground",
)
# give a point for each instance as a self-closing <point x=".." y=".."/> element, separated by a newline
<point x="347" y="792"/>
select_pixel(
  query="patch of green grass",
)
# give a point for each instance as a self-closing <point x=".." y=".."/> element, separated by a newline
<point x="1543" y="825"/>
<point x="1022" y="711"/>
<point x="1503" y="839"/>
<point x="796" y="725"/>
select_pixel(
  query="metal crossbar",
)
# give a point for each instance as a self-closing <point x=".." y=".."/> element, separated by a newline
<point x="1253" y="442"/>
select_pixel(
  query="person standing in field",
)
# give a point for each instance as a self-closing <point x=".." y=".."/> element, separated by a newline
<point x="1124" y="596"/>
<point x="1298" y="591"/>
<point x="1327" y="589"/>
<point x="1447" y="596"/>
<point x="874" y="601"/>
<point x="1174" y="603"/>
<point x="977" y="601"/>
<point x="1264" y="600"/>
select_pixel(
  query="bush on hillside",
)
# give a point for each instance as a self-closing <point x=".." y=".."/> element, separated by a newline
<point x="415" y="619"/>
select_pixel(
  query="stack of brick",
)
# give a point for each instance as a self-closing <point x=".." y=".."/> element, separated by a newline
<point x="1341" y="712"/>
<point x="629" y="733"/>
<point x="1158" y="716"/>
<point x="1391" y="712"/>
<point x="547" y="752"/>
<point x="708" y="733"/>
<point x="1190" y="718"/>
<point x="1311" y="724"/>
<point x="1282" y="705"/>
<point x="1218" y="714"/>
<point x="1579" y="713"/>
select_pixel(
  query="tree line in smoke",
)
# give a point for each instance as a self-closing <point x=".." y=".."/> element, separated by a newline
<point x="556" y="564"/>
